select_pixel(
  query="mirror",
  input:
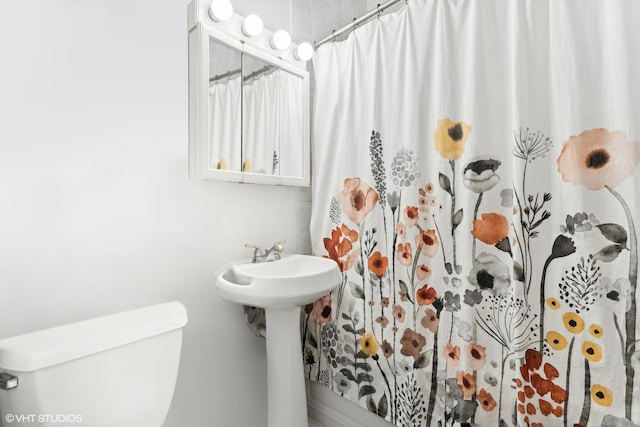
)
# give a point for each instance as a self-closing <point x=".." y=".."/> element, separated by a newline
<point x="273" y="129"/>
<point x="260" y="110"/>
<point x="292" y="101"/>
<point x="225" y="115"/>
<point x="248" y="110"/>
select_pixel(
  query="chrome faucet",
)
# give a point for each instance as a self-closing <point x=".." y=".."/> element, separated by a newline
<point x="269" y="254"/>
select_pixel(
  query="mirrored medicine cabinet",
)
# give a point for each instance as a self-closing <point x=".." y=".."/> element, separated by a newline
<point x="248" y="106"/>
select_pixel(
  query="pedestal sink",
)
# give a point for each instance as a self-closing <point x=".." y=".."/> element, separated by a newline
<point x="281" y="287"/>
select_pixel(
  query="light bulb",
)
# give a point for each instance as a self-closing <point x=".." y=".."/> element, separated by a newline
<point x="303" y="52"/>
<point x="280" y="40"/>
<point x="220" y="10"/>
<point x="252" y="26"/>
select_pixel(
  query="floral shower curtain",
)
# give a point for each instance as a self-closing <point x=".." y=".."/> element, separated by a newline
<point x="476" y="181"/>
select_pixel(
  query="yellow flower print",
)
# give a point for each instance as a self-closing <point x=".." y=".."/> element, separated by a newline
<point x="591" y="351"/>
<point x="595" y="331"/>
<point x="222" y="165"/>
<point x="573" y="322"/>
<point x="556" y="340"/>
<point x="369" y="344"/>
<point x="450" y="138"/>
<point x="601" y="395"/>
<point x="553" y="303"/>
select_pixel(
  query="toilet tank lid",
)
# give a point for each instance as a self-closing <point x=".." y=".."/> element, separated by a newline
<point x="48" y="347"/>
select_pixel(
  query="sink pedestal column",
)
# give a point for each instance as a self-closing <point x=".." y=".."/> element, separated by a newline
<point x="286" y="399"/>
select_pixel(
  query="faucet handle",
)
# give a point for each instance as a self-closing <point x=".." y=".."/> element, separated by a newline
<point x="257" y="253"/>
<point x="277" y="248"/>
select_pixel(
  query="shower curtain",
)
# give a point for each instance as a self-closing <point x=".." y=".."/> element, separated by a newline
<point x="475" y="179"/>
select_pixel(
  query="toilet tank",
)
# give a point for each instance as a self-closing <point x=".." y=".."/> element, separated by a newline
<point x="116" y="370"/>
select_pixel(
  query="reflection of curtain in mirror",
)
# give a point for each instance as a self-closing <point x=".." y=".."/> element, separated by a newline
<point x="290" y="154"/>
<point x="224" y="127"/>
<point x="261" y="123"/>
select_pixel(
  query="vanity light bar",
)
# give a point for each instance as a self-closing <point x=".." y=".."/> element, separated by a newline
<point x="303" y="52"/>
<point x="252" y="26"/>
<point x="280" y="40"/>
<point x="222" y="10"/>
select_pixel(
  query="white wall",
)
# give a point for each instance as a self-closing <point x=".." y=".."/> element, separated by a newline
<point x="97" y="213"/>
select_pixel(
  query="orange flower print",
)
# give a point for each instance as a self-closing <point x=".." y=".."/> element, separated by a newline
<point x="423" y="271"/>
<point x="382" y="320"/>
<point x="451" y="354"/>
<point x="466" y="384"/>
<point x="387" y="349"/>
<point x="401" y="230"/>
<point x="399" y="313"/>
<point x="558" y="394"/>
<point x="426" y="295"/>
<point x="477" y="356"/>
<point x="411" y="216"/>
<point x="598" y="158"/>
<point x="547" y="408"/>
<point x="486" y="400"/>
<point x="357" y="199"/>
<point x="378" y="264"/>
<point x="427" y="243"/>
<point x="491" y="229"/>
<point x="426" y="202"/>
<point x="537" y="386"/>
<point x="340" y="245"/>
<point x="404" y="254"/>
<point x="450" y="138"/>
<point x="429" y="187"/>
<point x="412" y="343"/>
<point x="430" y="320"/>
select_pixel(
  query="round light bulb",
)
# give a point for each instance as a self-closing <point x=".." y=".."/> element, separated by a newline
<point x="220" y="10"/>
<point x="280" y="40"/>
<point x="303" y="52"/>
<point x="252" y="26"/>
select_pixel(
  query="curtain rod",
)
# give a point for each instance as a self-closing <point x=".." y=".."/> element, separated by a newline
<point x="377" y="11"/>
<point x="256" y="73"/>
<point x="225" y="75"/>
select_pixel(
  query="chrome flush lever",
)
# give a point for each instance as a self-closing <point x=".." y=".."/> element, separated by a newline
<point x="8" y="381"/>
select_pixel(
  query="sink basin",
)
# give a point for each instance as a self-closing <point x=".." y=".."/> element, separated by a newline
<point x="292" y="281"/>
<point x="281" y="287"/>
